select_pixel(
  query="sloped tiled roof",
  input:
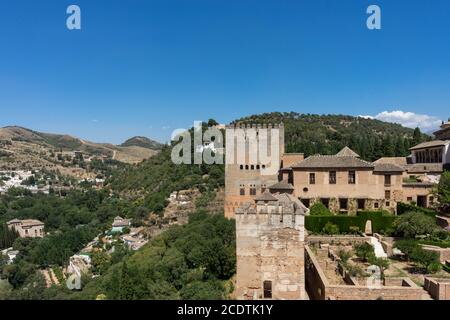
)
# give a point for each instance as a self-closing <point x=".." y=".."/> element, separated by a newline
<point x="282" y="185"/>
<point x="320" y="161"/>
<point x="430" y="144"/>
<point x="399" y="161"/>
<point x="347" y="152"/>
<point x="387" y="167"/>
<point x="266" y="196"/>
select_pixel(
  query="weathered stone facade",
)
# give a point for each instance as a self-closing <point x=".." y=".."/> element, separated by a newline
<point x="243" y="175"/>
<point x="270" y="249"/>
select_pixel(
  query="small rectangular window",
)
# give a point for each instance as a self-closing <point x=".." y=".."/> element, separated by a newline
<point x="332" y="178"/>
<point x="343" y="204"/>
<point x="351" y="177"/>
<point x="253" y="191"/>
<point x="267" y="289"/>
<point x="387" y="180"/>
<point x="387" y="195"/>
<point x="361" y="204"/>
<point x="312" y="178"/>
<point x="242" y="191"/>
<point x="325" y="202"/>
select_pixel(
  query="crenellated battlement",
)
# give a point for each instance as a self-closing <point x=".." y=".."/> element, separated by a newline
<point x="255" y="126"/>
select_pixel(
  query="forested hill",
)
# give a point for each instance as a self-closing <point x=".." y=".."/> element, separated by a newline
<point x="154" y="179"/>
<point x="327" y="134"/>
<point x="151" y="182"/>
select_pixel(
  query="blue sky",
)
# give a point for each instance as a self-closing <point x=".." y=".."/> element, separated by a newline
<point x="148" y="67"/>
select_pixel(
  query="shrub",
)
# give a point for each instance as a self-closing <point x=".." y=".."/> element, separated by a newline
<point x="403" y="208"/>
<point x="330" y="228"/>
<point x="407" y="246"/>
<point x="344" y="255"/>
<point x="354" y="230"/>
<point x="412" y="224"/>
<point x="434" y="267"/>
<point x="356" y="271"/>
<point x="381" y="263"/>
<point x="443" y="189"/>
<point x="316" y="224"/>
<point x="319" y="209"/>
<point x="364" y="251"/>
<point x="424" y="258"/>
<point x="441" y="234"/>
<point x="437" y="243"/>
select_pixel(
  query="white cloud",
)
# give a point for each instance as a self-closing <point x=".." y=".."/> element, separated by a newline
<point x="408" y="119"/>
<point x="94" y="120"/>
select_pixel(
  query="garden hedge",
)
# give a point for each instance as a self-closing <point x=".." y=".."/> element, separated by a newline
<point x="406" y="207"/>
<point x="380" y="222"/>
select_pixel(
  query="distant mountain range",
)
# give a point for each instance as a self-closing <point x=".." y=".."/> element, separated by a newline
<point x="25" y="148"/>
<point x="143" y="142"/>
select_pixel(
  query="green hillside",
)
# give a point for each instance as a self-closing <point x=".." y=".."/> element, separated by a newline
<point x="154" y="179"/>
<point x="327" y="134"/>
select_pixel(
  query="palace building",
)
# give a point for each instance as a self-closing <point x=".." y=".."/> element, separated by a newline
<point x="343" y="182"/>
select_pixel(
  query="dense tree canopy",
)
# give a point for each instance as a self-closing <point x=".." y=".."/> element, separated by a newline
<point x="327" y="134"/>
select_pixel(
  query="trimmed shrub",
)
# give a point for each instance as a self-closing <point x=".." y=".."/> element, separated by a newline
<point x="330" y="228"/>
<point x="319" y="209"/>
<point x="347" y="224"/>
<point x="370" y="214"/>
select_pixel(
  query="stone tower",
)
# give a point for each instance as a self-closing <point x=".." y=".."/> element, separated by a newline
<point x="444" y="132"/>
<point x="270" y="248"/>
<point x="245" y="178"/>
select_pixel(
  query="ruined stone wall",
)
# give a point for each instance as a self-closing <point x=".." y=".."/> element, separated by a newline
<point x="270" y="247"/>
<point x="439" y="289"/>
<point x="318" y="287"/>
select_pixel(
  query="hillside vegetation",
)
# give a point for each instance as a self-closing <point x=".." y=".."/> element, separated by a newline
<point x="154" y="179"/>
<point x="25" y="149"/>
<point x="194" y="261"/>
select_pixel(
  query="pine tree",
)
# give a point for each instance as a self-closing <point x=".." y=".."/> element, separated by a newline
<point x="417" y="136"/>
<point x="126" y="291"/>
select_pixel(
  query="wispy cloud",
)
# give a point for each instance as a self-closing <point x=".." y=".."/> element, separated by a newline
<point x="94" y="120"/>
<point x="407" y="119"/>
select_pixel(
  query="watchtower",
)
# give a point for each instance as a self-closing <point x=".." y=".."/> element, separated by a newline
<point x="247" y="177"/>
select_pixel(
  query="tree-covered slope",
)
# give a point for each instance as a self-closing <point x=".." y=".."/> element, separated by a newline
<point x="327" y="134"/>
